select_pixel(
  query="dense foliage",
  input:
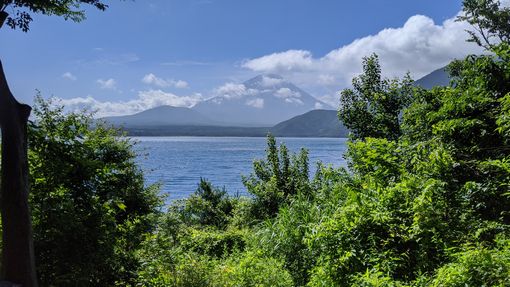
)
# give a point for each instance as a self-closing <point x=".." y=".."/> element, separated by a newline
<point x="275" y="180"/>
<point x="372" y="108"/>
<point x="425" y="202"/>
<point x="90" y="207"/>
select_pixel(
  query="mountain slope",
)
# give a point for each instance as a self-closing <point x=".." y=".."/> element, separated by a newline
<point x="262" y="101"/>
<point x="438" y="77"/>
<point x="316" y="123"/>
<point x="161" y="116"/>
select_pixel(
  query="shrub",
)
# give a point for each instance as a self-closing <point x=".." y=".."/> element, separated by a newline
<point x="477" y="266"/>
<point x="252" y="269"/>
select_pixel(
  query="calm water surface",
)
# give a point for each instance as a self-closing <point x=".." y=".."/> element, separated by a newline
<point x="178" y="163"/>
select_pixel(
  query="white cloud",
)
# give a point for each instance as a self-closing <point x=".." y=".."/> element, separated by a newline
<point x="145" y="100"/>
<point x="281" y="62"/>
<point x="327" y="80"/>
<point x="116" y="59"/>
<point x="268" y="82"/>
<point x="419" y="46"/>
<point x="186" y="63"/>
<point x="181" y="84"/>
<point x="256" y="103"/>
<point x="284" y="93"/>
<point x="319" y="106"/>
<point x="231" y="88"/>
<point x="231" y="91"/>
<point x="294" y="101"/>
<point x="109" y="84"/>
<point x="69" y="76"/>
<point x="151" y="79"/>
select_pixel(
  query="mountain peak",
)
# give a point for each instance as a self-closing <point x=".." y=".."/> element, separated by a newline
<point x="263" y="100"/>
<point x="266" y="81"/>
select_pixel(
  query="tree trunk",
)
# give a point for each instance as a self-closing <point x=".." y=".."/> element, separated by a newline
<point x="18" y="261"/>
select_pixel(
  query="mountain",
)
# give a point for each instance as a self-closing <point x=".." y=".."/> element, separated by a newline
<point x="162" y="116"/>
<point x="250" y="109"/>
<point x="438" y="77"/>
<point x="316" y="123"/>
<point x="262" y="101"/>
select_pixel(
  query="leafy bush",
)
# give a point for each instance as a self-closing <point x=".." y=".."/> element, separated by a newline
<point x="477" y="266"/>
<point x="252" y="269"/>
<point x="208" y="206"/>
<point x="90" y="206"/>
<point x="214" y="243"/>
<point x="277" y="179"/>
<point x="285" y="238"/>
<point x="183" y="269"/>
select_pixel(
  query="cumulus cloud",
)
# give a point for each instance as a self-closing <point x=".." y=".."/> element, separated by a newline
<point x="151" y="79"/>
<point x="109" y="84"/>
<point x="180" y="84"/>
<point x="285" y="93"/>
<point x="233" y="91"/>
<point x="256" y="103"/>
<point x="419" y="46"/>
<point x="282" y="62"/>
<point x="268" y="82"/>
<point x="145" y="100"/>
<point x="69" y="76"/>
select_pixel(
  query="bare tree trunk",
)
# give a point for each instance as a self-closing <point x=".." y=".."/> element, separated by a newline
<point x="18" y="261"/>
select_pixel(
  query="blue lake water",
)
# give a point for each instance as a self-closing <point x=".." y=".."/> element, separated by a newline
<point x="178" y="163"/>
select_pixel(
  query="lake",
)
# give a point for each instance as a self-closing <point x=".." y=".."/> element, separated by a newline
<point x="178" y="163"/>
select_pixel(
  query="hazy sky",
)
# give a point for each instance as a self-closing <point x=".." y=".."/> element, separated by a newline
<point x="140" y="54"/>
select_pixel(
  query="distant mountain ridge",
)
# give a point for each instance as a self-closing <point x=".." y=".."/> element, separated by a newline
<point x="266" y="103"/>
<point x="439" y="77"/>
<point x="316" y="123"/>
<point x="161" y="116"/>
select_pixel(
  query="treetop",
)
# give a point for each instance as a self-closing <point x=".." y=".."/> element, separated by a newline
<point x="17" y="14"/>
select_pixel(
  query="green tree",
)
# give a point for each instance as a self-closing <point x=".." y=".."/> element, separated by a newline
<point x="277" y="179"/>
<point x="68" y="9"/>
<point x="373" y="107"/>
<point x="90" y="207"/>
<point x="490" y="20"/>
<point x="208" y="206"/>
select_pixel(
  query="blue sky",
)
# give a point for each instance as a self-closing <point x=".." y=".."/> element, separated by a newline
<point x="139" y="54"/>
